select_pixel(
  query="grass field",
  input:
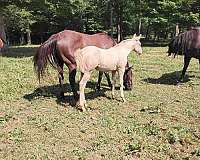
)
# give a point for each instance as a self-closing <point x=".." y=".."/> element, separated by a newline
<point x="160" y="120"/>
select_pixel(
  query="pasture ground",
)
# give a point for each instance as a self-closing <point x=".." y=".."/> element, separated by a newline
<point x="160" y="120"/>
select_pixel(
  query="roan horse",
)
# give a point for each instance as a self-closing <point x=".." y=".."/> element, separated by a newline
<point x="113" y="59"/>
<point x="59" y="50"/>
<point x="188" y="44"/>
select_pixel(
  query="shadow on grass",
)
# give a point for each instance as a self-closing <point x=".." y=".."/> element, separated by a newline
<point x="54" y="92"/>
<point x="168" y="79"/>
<point x="20" y="52"/>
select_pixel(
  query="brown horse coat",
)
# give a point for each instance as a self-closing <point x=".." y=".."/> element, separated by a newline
<point x="59" y="50"/>
<point x="1" y="43"/>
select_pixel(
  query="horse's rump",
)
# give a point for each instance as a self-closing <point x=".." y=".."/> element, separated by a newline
<point x="46" y="53"/>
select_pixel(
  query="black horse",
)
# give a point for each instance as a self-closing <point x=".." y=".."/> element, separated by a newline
<point x="188" y="44"/>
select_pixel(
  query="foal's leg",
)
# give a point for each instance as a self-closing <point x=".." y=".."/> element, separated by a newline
<point x="113" y="83"/>
<point x="121" y="75"/>
<point x="79" y="87"/>
<point x="99" y="80"/>
<point x="82" y="84"/>
<point x="186" y="63"/>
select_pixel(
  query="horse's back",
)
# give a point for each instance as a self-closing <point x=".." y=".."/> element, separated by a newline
<point x="87" y="58"/>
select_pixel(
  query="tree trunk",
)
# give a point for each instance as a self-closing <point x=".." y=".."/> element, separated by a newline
<point x="139" y="26"/>
<point x="2" y="32"/>
<point x="147" y="32"/>
<point x="22" y="39"/>
<point x="119" y="24"/>
<point x="140" y="19"/>
<point x="111" y="18"/>
<point x="177" y="30"/>
<point x="28" y="36"/>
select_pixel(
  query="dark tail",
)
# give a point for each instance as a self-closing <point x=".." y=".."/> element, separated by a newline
<point x="46" y="53"/>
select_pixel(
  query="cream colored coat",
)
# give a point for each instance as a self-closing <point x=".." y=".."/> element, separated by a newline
<point x="112" y="59"/>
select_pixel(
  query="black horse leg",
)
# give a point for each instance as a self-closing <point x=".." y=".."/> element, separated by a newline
<point x="186" y="63"/>
<point x="108" y="79"/>
<point x="99" y="80"/>
<point x="72" y="75"/>
<point x="61" y="81"/>
<point x="199" y="63"/>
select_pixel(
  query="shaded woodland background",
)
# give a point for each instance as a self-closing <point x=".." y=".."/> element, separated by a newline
<point x="33" y="21"/>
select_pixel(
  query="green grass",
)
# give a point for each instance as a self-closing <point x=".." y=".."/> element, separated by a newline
<point x="160" y="120"/>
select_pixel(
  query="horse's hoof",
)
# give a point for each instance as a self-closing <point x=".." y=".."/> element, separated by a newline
<point x="62" y="96"/>
<point x="82" y="109"/>
<point x="98" y="88"/>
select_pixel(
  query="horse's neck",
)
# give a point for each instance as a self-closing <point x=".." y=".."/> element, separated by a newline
<point x="123" y="49"/>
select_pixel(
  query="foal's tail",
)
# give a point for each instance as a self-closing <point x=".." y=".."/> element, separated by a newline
<point x="46" y="53"/>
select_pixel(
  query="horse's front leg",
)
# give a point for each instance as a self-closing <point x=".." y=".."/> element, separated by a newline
<point x="186" y="63"/>
<point x="121" y="75"/>
<point x="199" y="63"/>
<point x="99" y="80"/>
<point x="113" y="83"/>
<point x="82" y="85"/>
<point x="72" y="75"/>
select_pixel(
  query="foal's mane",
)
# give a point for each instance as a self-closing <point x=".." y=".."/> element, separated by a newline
<point x="123" y="42"/>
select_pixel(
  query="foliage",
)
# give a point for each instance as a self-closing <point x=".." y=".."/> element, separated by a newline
<point x="157" y="17"/>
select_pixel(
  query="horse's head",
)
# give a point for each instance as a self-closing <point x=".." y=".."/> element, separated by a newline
<point x="128" y="84"/>
<point x="137" y="45"/>
<point x="172" y="48"/>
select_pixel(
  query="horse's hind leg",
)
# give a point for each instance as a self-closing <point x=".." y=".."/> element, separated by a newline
<point x="82" y="84"/>
<point x="121" y="75"/>
<point x="61" y="81"/>
<point x="108" y="79"/>
<point x="99" y="80"/>
<point x="186" y="63"/>
<point x="72" y="75"/>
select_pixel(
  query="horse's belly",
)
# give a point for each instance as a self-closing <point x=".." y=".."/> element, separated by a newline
<point x="106" y="68"/>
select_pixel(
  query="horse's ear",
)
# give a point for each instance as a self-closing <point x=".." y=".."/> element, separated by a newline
<point x="134" y="35"/>
<point x="129" y="68"/>
<point x="140" y="36"/>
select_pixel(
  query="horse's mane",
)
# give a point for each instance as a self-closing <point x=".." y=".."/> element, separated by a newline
<point x="123" y="42"/>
